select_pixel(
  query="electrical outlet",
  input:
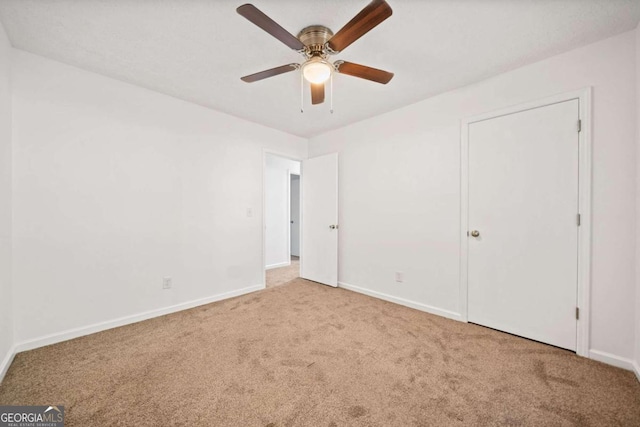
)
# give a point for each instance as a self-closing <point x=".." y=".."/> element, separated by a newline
<point x="399" y="277"/>
<point x="166" y="283"/>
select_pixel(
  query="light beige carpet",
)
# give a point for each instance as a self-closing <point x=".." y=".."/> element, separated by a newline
<point x="282" y="275"/>
<point x="304" y="354"/>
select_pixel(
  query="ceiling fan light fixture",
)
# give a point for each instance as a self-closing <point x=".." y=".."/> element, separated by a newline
<point x="316" y="70"/>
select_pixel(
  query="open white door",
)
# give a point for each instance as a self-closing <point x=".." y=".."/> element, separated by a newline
<point x="319" y="258"/>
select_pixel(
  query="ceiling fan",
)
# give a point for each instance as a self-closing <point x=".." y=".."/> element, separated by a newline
<point x="316" y="43"/>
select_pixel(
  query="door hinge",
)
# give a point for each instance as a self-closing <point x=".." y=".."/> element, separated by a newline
<point x="578" y="219"/>
<point x="579" y="125"/>
<point x="577" y="313"/>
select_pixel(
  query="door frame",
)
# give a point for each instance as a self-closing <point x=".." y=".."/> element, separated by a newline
<point x="266" y="151"/>
<point x="289" y="175"/>
<point x="584" y="204"/>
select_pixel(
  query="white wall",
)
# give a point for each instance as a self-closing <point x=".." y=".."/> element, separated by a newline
<point x="637" y="229"/>
<point x="277" y="209"/>
<point x="6" y="322"/>
<point x="400" y="187"/>
<point x="115" y="187"/>
<point x="295" y="215"/>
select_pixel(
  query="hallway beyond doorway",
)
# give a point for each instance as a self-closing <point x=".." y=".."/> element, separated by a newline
<point x="282" y="275"/>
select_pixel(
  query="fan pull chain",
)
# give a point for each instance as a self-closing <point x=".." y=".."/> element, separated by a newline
<point x="301" y="93"/>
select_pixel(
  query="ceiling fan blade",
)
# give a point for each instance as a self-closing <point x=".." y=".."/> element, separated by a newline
<point x="317" y="93"/>
<point x="269" y="73"/>
<point x="254" y="15"/>
<point x="364" y="72"/>
<point x="368" y="18"/>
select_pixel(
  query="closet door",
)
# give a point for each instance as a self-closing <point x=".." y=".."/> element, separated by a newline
<point x="523" y="229"/>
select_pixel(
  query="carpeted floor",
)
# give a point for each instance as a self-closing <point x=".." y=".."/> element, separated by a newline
<point x="282" y="275"/>
<point x="304" y="354"/>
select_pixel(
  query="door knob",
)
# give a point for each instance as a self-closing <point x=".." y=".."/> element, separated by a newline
<point x="475" y="233"/>
<point x="333" y="227"/>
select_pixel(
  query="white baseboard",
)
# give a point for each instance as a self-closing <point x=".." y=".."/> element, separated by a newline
<point x="109" y="324"/>
<point x="611" y="359"/>
<point x="636" y="369"/>
<point x="280" y="264"/>
<point x="402" y="301"/>
<point x="6" y="362"/>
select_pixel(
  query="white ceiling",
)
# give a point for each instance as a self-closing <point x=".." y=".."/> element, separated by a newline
<point x="197" y="50"/>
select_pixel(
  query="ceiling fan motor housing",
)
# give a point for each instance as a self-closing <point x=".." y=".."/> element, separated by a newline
<point x="314" y="38"/>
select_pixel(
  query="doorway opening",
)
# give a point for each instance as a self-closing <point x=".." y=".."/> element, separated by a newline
<point x="282" y="219"/>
